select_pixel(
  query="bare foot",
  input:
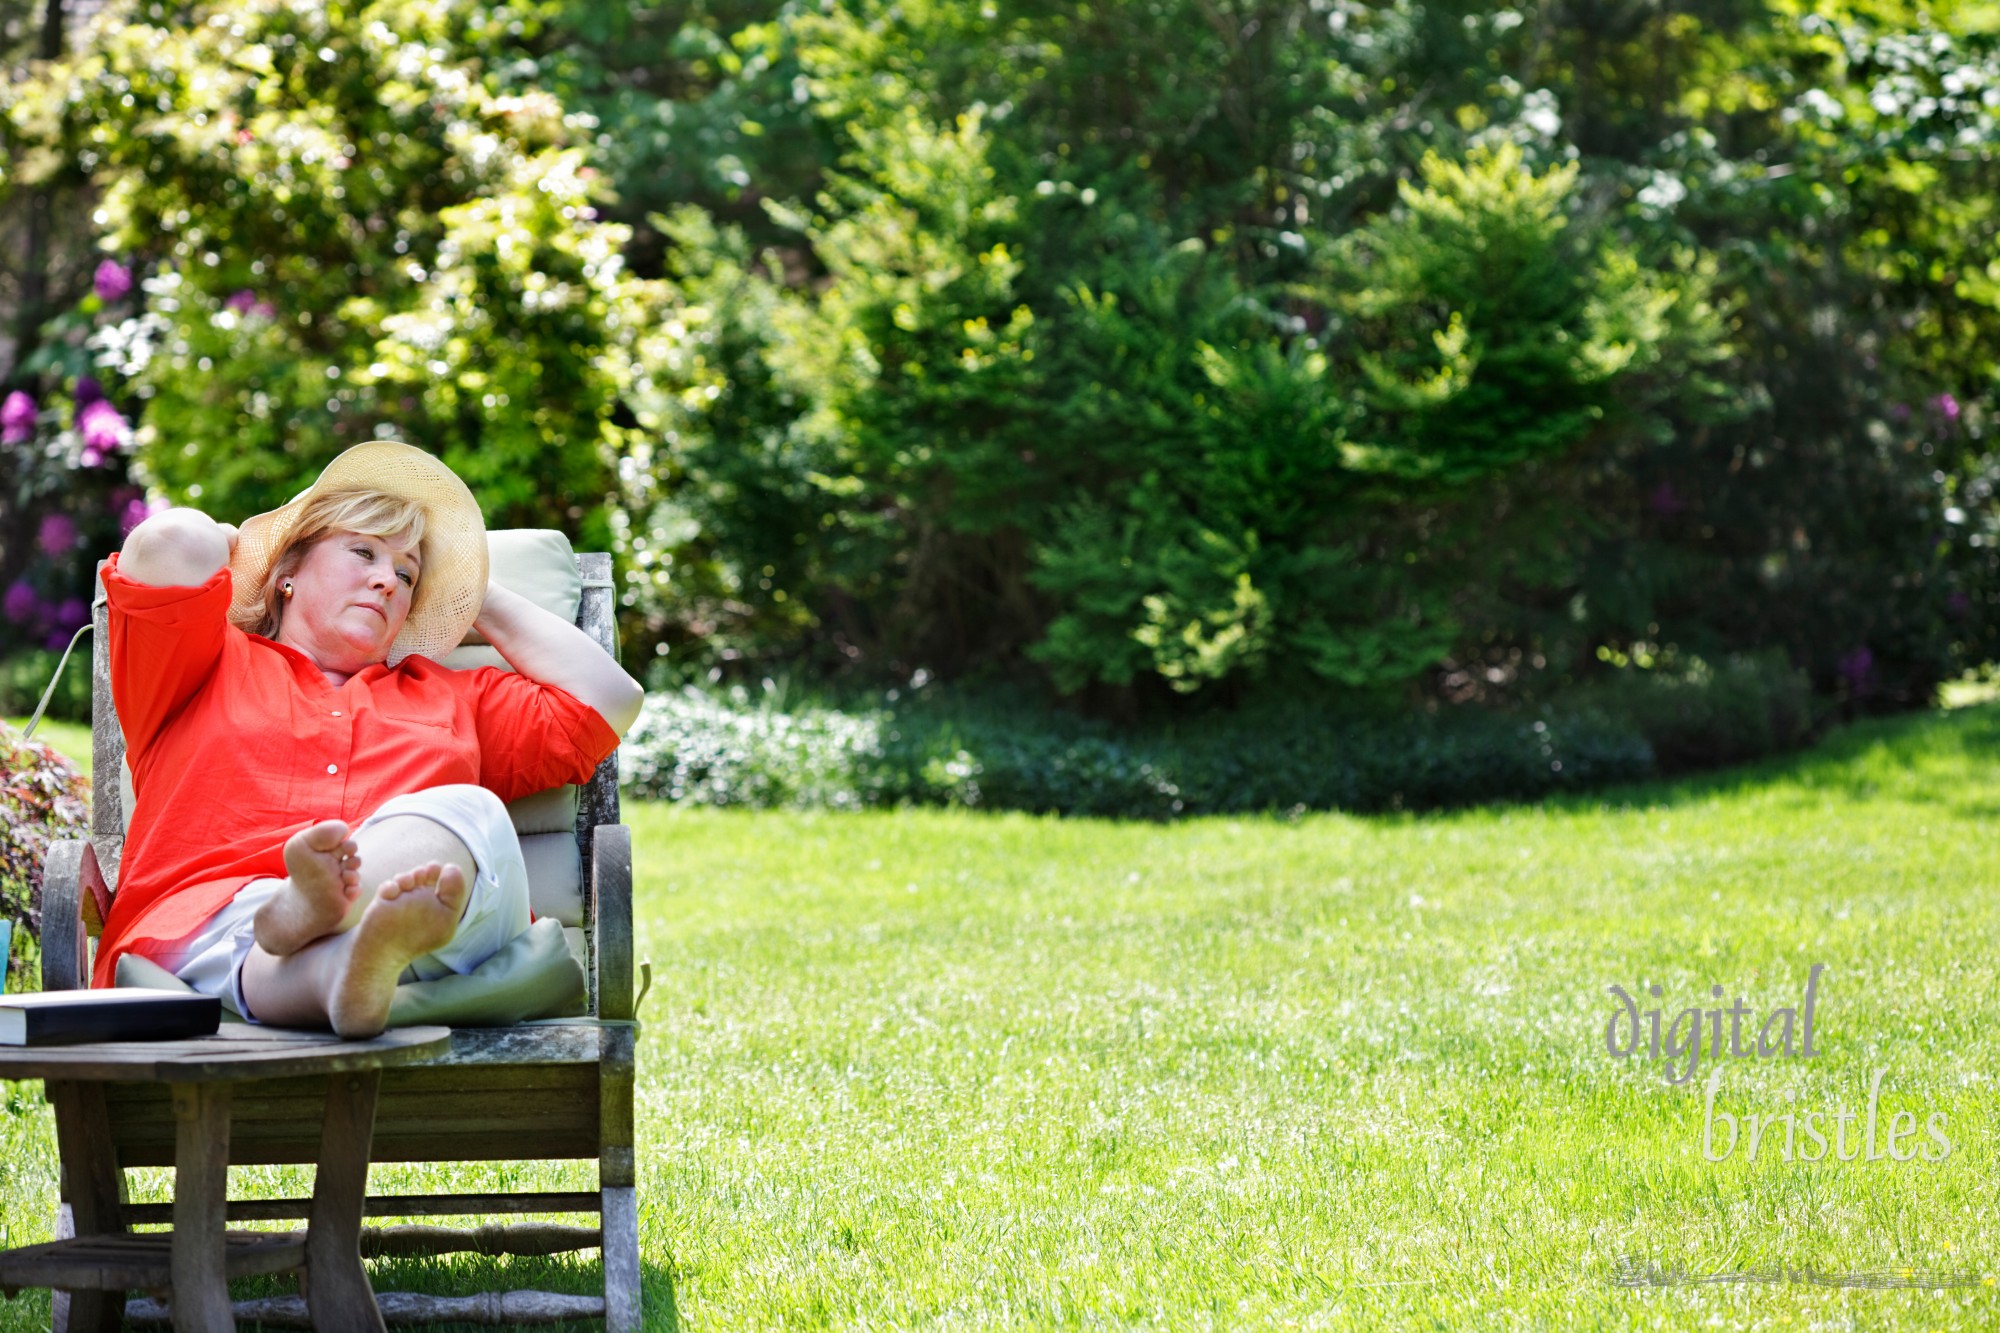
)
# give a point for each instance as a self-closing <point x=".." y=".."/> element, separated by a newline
<point x="324" y="878"/>
<point x="412" y="915"/>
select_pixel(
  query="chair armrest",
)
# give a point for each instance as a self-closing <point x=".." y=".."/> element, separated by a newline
<point x="611" y="915"/>
<point x="73" y="891"/>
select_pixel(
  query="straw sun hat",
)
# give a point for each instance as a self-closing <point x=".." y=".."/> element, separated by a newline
<point x="451" y="587"/>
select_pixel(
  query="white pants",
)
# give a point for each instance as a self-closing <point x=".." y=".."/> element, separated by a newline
<point x="496" y="908"/>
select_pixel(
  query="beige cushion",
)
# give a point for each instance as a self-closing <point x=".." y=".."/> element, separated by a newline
<point x="551" y="811"/>
<point x="538" y="564"/>
<point x="555" y="876"/>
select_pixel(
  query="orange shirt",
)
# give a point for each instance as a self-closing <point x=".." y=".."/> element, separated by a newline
<point x="237" y="742"/>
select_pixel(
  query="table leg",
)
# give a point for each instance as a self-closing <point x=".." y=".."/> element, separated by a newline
<point x="92" y="1189"/>
<point x="337" y="1290"/>
<point x="201" y="1191"/>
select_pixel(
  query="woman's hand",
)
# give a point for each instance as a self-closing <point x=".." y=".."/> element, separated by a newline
<point x="547" y="649"/>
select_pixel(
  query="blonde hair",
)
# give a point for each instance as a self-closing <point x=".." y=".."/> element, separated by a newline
<point x="366" y="513"/>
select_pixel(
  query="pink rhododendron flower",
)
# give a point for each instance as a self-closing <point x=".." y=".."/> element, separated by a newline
<point x="17" y="418"/>
<point x="102" y="427"/>
<point x="247" y="302"/>
<point x="20" y="604"/>
<point x="58" y="534"/>
<point x="88" y="390"/>
<point x="113" y="281"/>
<point x="1947" y="406"/>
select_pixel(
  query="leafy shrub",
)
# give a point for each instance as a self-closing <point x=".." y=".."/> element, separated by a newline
<point x="24" y="676"/>
<point x="1001" y="751"/>
<point x="42" y="798"/>
<point x="1006" y="754"/>
<point x="1705" y="716"/>
<point x="723" y="749"/>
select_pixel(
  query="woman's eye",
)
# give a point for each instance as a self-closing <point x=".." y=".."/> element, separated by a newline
<point x="406" y="578"/>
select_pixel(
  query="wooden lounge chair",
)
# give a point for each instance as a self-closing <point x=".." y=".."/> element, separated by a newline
<point x="556" y="1089"/>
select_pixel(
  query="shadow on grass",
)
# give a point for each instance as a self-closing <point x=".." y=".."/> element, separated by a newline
<point x="1931" y="757"/>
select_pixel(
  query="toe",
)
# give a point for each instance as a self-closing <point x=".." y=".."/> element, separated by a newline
<point x="329" y="835"/>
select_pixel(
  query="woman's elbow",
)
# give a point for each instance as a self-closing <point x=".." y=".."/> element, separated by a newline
<point x="174" y="548"/>
<point x="622" y="709"/>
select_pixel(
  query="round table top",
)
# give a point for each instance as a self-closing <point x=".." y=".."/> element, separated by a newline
<point x="237" y="1051"/>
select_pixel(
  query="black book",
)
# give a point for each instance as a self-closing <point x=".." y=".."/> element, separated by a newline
<point x="55" y="1018"/>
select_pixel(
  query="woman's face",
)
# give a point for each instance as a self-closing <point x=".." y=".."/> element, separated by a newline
<point x="349" y="599"/>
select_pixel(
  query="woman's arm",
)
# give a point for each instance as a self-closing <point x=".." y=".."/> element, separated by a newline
<point x="176" y="548"/>
<point x="542" y="647"/>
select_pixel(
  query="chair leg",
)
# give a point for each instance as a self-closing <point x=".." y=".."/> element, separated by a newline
<point x="621" y="1259"/>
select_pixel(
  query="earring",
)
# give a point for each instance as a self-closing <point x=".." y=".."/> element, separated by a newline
<point x="288" y="590"/>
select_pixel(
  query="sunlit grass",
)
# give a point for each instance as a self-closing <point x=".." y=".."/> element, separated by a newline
<point x="932" y="1069"/>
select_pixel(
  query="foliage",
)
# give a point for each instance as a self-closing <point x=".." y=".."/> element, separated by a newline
<point x="66" y="491"/>
<point x="1019" y="422"/>
<point x="355" y="224"/>
<point x="1701" y="716"/>
<point x="42" y="798"/>
<point x="24" y="676"/>
<point x="1168" y="354"/>
<point x="1003" y="750"/>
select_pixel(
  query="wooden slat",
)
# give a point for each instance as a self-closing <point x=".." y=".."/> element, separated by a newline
<point x="570" y="1041"/>
<point x="389" y="1205"/>
<point x="437" y="1146"/>
<point x="63" y="944"/>
<point x="142" y="1262"/>
<point x="617" y="1164"/>
<point x="611" y="892"/>
<point x="107" y="741"/>
<point x="499" y="1309"/>
<point x="265" y="1053"/>
<point x="533" y="1238"/>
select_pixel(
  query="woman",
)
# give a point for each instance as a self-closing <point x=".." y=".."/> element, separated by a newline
<point x="289" y="733"/>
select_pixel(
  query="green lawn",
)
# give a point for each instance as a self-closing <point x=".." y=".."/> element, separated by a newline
<point x="942" y="1070"/>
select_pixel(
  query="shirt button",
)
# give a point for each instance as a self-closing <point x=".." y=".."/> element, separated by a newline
<point x="336" y="712"/>
<point x="333" y="768"/>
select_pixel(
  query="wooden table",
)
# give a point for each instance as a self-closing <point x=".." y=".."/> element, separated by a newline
<point x="199" y="1256"/>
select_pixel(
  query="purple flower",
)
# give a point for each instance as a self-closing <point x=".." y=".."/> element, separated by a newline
<point x="20" y="604"/>
<point x="1958" y="603"/>
<point x="58" y="534"/>
<point x="1857" y="667"/>
<point x="113" y="281"/>
<point x="1947" y="407"/>
<point x="88" y="390"/>
<point x="102" y="428"/>
<point x="17" y="418"/>
<point x="91" y="458"/>
<point x="131" y="515"/>
<point x="250" y="305"/>
<point x="58" y="639"/>
<point x="72" y="612"/>
<point x="1666" y="501"/>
